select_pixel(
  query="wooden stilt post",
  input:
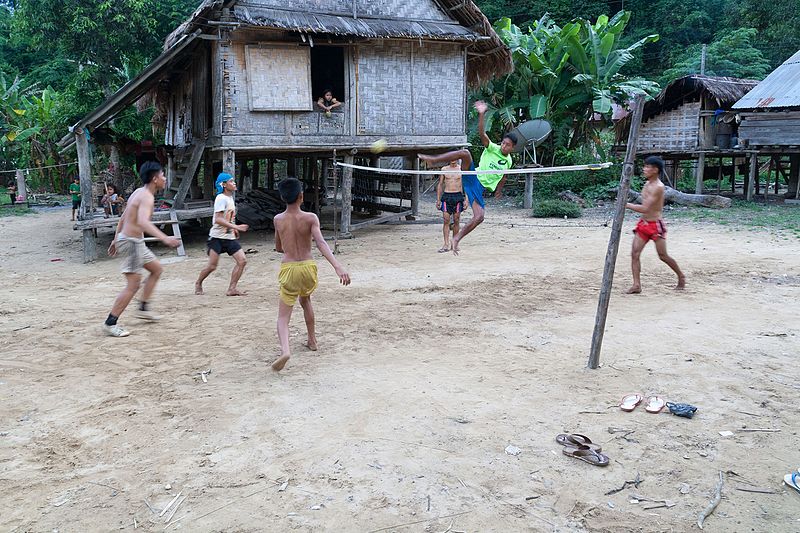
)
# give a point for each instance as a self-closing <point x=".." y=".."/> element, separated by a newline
<point x="335" y="211"/>
<point x="229" y="162"/>
<point x="347" y="196"/>
<point x="256" y="173"/>
<point x="87" y="202"/>
<point x="701" y="168"/>
<point x="271" y="174"/>
<point x="208" y="177"/>
<point x="316" y="181"/>
<point x="752" y="176"/>
<point x="415" y="187"/>
<point x="719" y="176"/>
<point x="616" y="232"/>
<point x="22" y="187"/>
<point x="247" y="177"/>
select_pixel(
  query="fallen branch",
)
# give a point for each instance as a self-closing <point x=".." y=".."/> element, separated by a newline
<point x="759" y="430"/>
<point x="713" y="505"/>
<point x="681" y="198"/>
<point x="759" y="491"/>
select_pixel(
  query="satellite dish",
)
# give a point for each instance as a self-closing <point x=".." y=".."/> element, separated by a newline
<point x="531" y="133"/>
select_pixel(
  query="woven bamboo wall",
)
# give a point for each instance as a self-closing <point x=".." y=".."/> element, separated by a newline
<point x="678" y="129"/>
<point x="408" y="89"/>
<point x="404" y="89"/>
<point x="407" y="9"/>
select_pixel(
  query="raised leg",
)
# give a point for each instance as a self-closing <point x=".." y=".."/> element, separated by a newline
<point x="636" y="264"/>
<point x="661" y="248"/>
<point x="213" y="261"/>
<point x="463" y="155"/>
<point x="308" y="315"/>
<point x="238" y="270"/>
<point x="284" y="315"/>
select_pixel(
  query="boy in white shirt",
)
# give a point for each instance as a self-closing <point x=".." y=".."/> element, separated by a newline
<point x="224" y="236"/>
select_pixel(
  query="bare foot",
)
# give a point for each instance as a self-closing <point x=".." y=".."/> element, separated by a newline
<point x="311" y="344"/>
<point x="636" y="289"/>
<point x="455" y="245"/>
<point x="681" y="284"/>
<point x="424" y="157"/>
<point x="444" y="249"/>
<point x="198" y="289"/>
<point x="278" y="365"/>
<point x="235" y="292"/>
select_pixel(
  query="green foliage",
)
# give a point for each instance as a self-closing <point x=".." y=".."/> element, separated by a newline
<point x="556" y="208"/>
<point x="565" y="74"/>
<point x="733" y="54"/>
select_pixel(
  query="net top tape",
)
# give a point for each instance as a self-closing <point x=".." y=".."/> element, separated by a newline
<point x="537" y="170"/>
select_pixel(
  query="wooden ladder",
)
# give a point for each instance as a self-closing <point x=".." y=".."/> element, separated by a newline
<point x="185" y="171"/>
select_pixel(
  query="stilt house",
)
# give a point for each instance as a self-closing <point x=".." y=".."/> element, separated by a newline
<point x="237" y="84"/>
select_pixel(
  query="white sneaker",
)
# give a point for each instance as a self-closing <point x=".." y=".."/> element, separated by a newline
<point x="147" y="315"/>
<point x="115" y="331"/>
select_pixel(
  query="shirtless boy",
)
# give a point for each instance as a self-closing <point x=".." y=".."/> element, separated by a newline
<point x="129" y="244"/>
<point x="494" y="157"/>
<point x="451" y="200"/>
<point x="651" y="226"/>
<point x="294" y="230"/>
<point x="224" y="236"/>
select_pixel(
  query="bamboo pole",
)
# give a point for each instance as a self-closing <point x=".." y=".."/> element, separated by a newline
<point x="616" y="233"/>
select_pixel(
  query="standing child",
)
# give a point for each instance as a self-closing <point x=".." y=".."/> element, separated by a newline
<point x="129" y="244"/>
<point x="12" y="192"/>
<point x="651" y="226"/>
<point x="294" y="230"/>
<point x="450" y="201"/>
<point x="75" y="191"/>
<point x="224" y="236"/>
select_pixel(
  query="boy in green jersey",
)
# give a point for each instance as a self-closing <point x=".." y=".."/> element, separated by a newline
<point x="75" y="191"/>
<point x="494" y="157"/>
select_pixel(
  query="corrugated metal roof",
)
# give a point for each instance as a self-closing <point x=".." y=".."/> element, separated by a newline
<point x="361" y="27"/>
<point x="780" y="89"/>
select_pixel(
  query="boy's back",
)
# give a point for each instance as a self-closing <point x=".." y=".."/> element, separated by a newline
<point x="294" y="230"/>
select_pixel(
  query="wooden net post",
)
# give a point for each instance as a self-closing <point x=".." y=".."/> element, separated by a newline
<point x="616" y="233"/>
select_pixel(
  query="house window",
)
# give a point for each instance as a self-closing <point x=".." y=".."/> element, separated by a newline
<point x="327" y="71"/>
<point x="279" y="78"/>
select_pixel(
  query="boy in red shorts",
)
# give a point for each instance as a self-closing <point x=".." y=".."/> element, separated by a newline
<point x="651" y="227"/>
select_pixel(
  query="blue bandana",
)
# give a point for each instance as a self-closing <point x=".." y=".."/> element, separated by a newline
<point x="222" y="178"/>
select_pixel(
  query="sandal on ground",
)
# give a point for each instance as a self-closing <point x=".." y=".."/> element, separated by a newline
<point x="655" y="404"/>
<point x="793" y="480"/>
<point x="630" y="402"/>
<point x="576" y="440"/>
<point x="587" y="455"/>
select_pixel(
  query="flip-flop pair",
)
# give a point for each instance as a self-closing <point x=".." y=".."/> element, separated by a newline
<point x="654" y="403"/>
<point x="581" y="447"/>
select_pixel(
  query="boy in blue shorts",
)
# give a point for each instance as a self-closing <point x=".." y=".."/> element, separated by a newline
<point x="494" y="157"/>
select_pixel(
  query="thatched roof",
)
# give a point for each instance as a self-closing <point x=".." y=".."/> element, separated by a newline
<point x="488" y="56"/>
<point x="724" y="92"/>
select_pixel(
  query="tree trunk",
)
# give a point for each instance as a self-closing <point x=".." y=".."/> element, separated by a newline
<point x="676" y="197"/>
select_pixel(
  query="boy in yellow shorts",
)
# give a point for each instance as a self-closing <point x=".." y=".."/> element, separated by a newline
<point x="294" y="230"/>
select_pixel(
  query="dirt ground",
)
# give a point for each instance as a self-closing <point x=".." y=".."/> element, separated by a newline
<point x="430" y="367"/>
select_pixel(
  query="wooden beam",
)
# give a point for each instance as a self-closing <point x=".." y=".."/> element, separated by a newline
<point x="701" y="168"/>
<point x="229" y="162"/>
<point x="256" y="173"/>
<point x="616" y="233"/>
<point x="85" y="172"/>
<point x="415" y="185"/>
<point x="208" y="177"/>
<point x="528" y="200"/>
<point x="270" y="173"/>
<point x="189" y="173"/>
<point x="22" y="187"/>
<point x="347" y="196"/>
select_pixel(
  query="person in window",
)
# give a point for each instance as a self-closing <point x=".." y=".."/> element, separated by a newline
<point x="327" y="102"/>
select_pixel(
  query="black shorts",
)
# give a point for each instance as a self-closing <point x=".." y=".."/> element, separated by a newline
<point x="452" y="202"/>
<point x="76" y="204"/>
<point x="220" y="246"/>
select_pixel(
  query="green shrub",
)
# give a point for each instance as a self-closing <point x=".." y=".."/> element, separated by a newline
<point x="556" y="208"/>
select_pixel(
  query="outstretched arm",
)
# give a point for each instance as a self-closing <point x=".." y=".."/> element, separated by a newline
<point x="325" y="250"/>
<point x="482" y="108"/>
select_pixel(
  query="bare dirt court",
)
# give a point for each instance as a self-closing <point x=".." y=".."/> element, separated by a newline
<point x="429" y="367"/>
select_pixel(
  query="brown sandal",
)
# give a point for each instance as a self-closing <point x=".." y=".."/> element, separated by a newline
<point x="588" y="455"/>
<point x="574" y="440"/>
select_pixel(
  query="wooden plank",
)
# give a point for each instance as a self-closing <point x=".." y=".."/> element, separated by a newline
<point x="189" y="173"/>
<point x="380" y="220"/>
<point x="752" y="177"/>
<point x="616" y="233"/>
<point x="289" y="143"/>
<point x="376" y="206"/>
